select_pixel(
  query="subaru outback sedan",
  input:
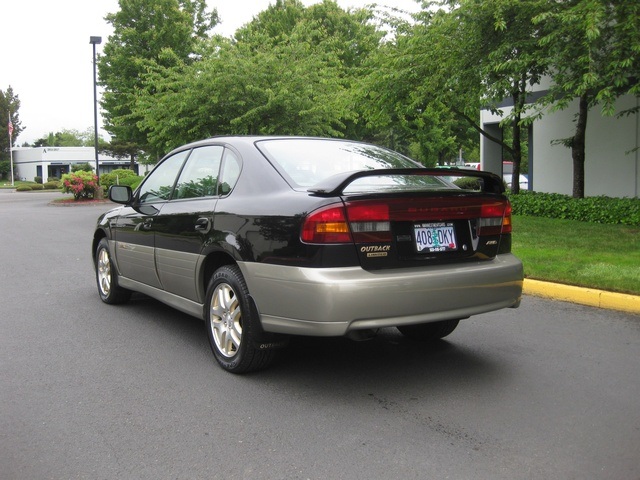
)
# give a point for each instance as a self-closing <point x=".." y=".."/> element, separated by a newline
<point x="268" y="237"/>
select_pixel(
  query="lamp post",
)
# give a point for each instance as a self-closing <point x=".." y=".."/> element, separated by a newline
<point x="95" y="41"/>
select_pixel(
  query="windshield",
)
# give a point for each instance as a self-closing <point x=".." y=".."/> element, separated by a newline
<point x="308" y="161"/>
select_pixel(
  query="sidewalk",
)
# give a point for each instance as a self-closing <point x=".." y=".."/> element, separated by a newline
<point x="583" y="296"/>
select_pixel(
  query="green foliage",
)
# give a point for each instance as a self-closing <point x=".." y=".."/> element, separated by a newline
<point x="606" y="210"/>
<point x="289" y="71"/>
<point x="133" y="182"/>
<point x="82" y="167"/>
<point x="67" y="138"/>
<point x="37" y="179"/>
<point x="9" y="107"/>
<point x="37" y="186"/>
<point x="52" y="185"/>
<point x="468" y="183"/>
<point x="23" y="188"/>
<point x="5" y="168"/>
<point x="116" y="177"/>
<point x="81" y="184"/>
<point x="147" y="34"/>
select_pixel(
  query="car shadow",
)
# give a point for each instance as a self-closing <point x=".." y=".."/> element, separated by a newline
<point x="338" y="363"/>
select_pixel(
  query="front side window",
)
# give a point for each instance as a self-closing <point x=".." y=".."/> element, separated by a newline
<point x="159" y="184"/>
<point x="199" y="177"/>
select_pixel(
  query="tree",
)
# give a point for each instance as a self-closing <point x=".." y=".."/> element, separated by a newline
<point x="594" y="49"/>
<point x="9" y="112"/>
<point x="350" y="37"/>
<point x="472" y="54"/>
<point x="287" y="72"/>
<point x="146" y="33"/>
<point x="67" y="138"/>
<point x="400" y="111"/>
<point x="119" y="149"/>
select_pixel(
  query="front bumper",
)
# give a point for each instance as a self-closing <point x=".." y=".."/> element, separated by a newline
<point x="335" y="301"/>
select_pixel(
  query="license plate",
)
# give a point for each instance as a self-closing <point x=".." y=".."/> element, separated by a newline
<point x="435" y="237"/>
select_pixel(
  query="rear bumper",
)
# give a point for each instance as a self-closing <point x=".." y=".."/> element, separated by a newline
<point x="334" y="301"/>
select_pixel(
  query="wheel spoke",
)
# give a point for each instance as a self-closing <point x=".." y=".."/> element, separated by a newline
<point x="104" y="272"/>
<point x="225" y="315"/>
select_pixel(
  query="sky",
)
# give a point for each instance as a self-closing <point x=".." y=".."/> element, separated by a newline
<point x="48" y="61"/>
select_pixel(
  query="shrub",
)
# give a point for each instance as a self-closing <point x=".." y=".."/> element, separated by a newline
<point x="23" y="188"/>
<point x="625" y="211"/>
<point x="37" y="179"/>
<point x="133" y="182"/>
<point x="81" y="183"/>
<point x="468" y="183"/>
<point x="81" y="167"/>
<point x="37" y="186"/>
<point x="117" y="176"/>
<point x="52" y="185"/>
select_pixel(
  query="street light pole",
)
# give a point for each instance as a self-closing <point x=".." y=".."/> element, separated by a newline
<point x="95" y="41"/>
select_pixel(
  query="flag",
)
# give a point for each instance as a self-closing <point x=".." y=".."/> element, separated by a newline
<point x="10" y="128"/>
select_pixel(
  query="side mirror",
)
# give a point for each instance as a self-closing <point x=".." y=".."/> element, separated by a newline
<point x="120" y="194"/>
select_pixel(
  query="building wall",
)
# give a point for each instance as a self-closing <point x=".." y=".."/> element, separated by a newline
<point x="43" y="161"/>
<point x="612" y="168"/>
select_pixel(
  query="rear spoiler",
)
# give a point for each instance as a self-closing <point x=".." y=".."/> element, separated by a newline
<point x="335" y="185"/>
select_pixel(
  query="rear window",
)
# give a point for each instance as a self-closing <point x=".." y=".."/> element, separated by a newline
<point x="309" y="161"/>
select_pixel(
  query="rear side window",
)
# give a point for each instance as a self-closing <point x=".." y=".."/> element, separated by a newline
<point x="230" y="172"/>
<point x="199" y="177"/>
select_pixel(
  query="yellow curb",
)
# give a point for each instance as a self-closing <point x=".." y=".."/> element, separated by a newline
<point x="583" y="296"/>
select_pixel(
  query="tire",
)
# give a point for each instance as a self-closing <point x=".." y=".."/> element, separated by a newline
<point x="233" y="324"/>
<point x="429" y="332"/>
<point x="106" y="277"/>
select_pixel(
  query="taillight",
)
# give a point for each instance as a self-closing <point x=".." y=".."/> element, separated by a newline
<point x="361" y="222"/>
<point x="327" y="225"/>
<point x="495" y="218"/>
<point x="369" y="222"/>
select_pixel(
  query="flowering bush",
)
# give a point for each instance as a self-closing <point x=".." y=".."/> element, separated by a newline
<point x="82" y="184"/>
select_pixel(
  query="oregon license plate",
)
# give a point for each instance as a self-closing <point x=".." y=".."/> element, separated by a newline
<point x="435" y="237"/>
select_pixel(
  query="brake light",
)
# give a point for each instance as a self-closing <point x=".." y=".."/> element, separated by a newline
<point x="327" y="225"/>
<point x="369" y="222"/>
<point x="361" y="222"/>
<point x="495" y="218"/>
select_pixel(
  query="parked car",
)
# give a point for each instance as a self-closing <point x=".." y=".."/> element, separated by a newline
<point x="267" y="237"/>
<point x="524" y="181"/>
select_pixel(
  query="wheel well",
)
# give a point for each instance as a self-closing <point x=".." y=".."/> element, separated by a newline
<point x="212" y="263"/>
<point x="99" y="235"/>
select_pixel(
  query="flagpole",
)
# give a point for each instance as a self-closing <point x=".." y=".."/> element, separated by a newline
<point x="10" y="131"/>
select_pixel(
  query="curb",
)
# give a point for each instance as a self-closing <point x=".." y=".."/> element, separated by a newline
<point x="583" y="296"/>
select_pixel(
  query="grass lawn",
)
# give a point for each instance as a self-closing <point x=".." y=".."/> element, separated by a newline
<point x="605" y="257"/>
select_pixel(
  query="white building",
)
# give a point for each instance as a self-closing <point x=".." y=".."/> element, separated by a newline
<point x="612" y="165"/>
<point x="48" y="162"/>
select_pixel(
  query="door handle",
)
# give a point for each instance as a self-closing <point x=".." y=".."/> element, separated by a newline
<point x="203" y="225"/>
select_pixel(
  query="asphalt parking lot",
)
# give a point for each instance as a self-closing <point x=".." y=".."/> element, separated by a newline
<point x="88" y="390"/>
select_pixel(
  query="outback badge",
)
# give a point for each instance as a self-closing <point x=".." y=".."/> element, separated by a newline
<point x="376" y="250"/>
